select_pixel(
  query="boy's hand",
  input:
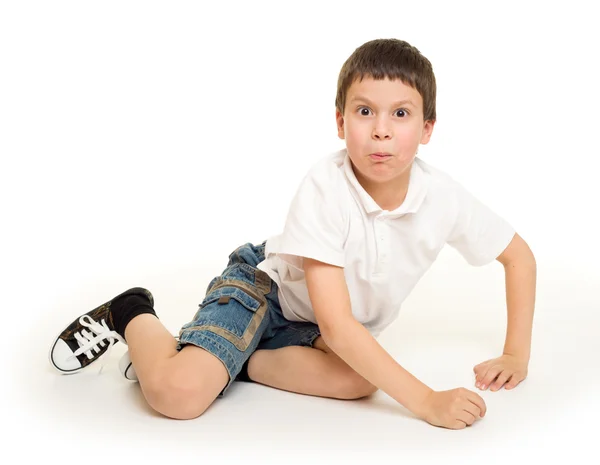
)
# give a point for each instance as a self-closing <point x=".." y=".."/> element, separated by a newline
<point x="454" y="409"/>
<point x="502" y="369"/>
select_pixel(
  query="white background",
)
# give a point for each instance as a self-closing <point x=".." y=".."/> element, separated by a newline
<point x="142" y="142"/>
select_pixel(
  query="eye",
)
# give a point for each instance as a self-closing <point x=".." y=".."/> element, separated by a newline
<point x="401" y="112"/>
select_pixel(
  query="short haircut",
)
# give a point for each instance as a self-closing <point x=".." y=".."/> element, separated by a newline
<point x="392" y="59"/>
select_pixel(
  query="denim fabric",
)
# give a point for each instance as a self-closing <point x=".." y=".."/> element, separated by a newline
<point x="240" y="313"/>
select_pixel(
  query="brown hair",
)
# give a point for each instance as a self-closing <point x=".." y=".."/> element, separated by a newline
<point x="392" y="59"/>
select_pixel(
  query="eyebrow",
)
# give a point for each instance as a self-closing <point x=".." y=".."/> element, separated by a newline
<point x="401" y="102"/>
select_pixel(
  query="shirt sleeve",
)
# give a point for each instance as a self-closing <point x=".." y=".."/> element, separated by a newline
<point x="479" y="234"/>
<point x="315" y="226"/>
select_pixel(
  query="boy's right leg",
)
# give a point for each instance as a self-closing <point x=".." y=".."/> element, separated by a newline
<point x="178" y="384"/>
<point x="179" y="379"/>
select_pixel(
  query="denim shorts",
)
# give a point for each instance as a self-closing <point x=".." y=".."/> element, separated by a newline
<point x="240" y="313"/>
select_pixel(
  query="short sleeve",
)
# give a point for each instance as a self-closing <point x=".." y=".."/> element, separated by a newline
<point x="479" y="234"/>
<point x="315" y="226"/>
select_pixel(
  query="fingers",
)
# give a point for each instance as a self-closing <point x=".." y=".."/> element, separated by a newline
<point x="515" y="379"/>
<point x="480" y="367"/>
<point x="458" y="424"/>
<point x="500" y="380"/>
<point x="487" y="378"/>
<point x="458" y="408"/>
<point x="480" y="371"/>
<point x="478" y="401"/>
<point x="466" y="417"/>
<point x="473" y="412"/>
<point x="496" y="377"/>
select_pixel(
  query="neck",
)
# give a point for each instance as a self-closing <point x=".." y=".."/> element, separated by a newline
<point x="390" y="195"/>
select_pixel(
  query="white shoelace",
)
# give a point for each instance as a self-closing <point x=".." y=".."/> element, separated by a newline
<point x="97" y="334"/>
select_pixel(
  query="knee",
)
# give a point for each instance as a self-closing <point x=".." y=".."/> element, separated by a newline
<point x="353" y="386"/>
<point x="176" y="395"/>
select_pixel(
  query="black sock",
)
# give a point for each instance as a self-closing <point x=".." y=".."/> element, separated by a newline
<point x="243" y="375"/>
<point x="123" y="310"/>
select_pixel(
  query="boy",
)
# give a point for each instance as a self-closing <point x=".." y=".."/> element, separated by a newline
<point x="301" y="311"/>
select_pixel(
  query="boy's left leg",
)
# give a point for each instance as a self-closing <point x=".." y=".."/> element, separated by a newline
<point x="315" y="371"/>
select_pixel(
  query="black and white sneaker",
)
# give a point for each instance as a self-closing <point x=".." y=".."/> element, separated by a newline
<point x="126" y="367"/>
<point x="90" y="336"/>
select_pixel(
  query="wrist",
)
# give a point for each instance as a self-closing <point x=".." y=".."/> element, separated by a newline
<point x="418" y="404"/>
<point x="521" y="356"/>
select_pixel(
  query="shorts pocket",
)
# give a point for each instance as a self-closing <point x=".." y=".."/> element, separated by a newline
<point x="224" y="294"/>
<point x="233" y="310"/>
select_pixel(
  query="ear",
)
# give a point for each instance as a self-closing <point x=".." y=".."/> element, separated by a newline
<point x="427" y="130"/>
<point x="339" y="119"/>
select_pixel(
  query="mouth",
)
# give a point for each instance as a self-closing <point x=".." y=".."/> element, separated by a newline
<point x="379" y="155"/>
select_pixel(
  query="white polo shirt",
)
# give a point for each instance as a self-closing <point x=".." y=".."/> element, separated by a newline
<point x="383" y="253"/>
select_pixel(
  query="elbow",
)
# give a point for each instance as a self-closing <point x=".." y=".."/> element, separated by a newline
<point x="336" y="335"/>
<point x="328" y="336"/>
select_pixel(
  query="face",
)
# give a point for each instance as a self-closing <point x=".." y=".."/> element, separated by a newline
<point x="383" y="116"/>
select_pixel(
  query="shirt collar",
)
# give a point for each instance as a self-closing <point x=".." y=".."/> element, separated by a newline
<point x="417" y="190"/>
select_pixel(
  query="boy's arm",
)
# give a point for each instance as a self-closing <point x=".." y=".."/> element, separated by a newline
<point x="520" y="280"/>
<point x="511" y="367"/>
<point x="352" y="342"/>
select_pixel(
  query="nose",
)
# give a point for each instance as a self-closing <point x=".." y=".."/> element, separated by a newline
<point x="381" y="129"/>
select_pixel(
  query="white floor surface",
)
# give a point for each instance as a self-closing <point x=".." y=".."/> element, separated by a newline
<point x="445" y="328"/>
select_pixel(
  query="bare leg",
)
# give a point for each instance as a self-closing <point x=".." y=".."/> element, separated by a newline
<point x="305" y="370"/>
<point x="176" y="384"/>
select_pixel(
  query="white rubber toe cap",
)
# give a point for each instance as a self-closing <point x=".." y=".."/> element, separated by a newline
<point x="59" y="356"/>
